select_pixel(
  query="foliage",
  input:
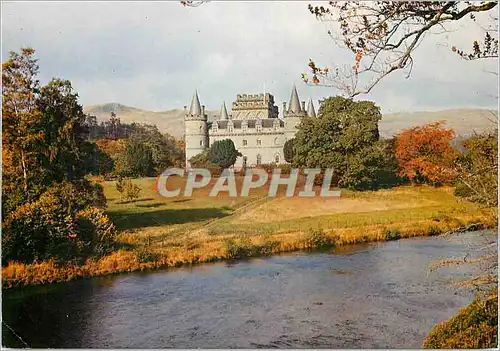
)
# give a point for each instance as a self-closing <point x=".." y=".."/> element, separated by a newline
<point x="316" y="239"/>
<point x="392" y="234"/>
<point x="137" y="160"/>
<point x="473" y="327"/>
<point x="127" y="189"/>
<point x="223" y="153"/>
<point x="95" y="232"/>
<point x="383" y="37"/>
<point x="55" y="226"/>
<point x="239" y="248"/>
<point x="288" y="150"/>
<point x="146" y="152"/>
<point x="371" y="168"/>
<point x="38" y="230"/>
<point x="425" y="155"/>
<point x="345" y="138"/>
<point x="165" y="150"/>
<point x="46" y="157"/>
<point x="477" y="170"/>
<point x="111" y="147"/>
<point x="202" y="160"/>
<point x="132" y="191"/>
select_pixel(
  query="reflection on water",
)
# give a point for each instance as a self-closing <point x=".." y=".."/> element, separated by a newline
<point x="373" y="295"/>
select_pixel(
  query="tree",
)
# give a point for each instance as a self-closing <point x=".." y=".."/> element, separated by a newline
<point x="20" y="118"/>
<point x="137" y="160"/>
<point x="223" y="153"/>
<point x="345" y="138"/>
<point x="46" y="156"/>
<point x="372" y="167"/>
<point x="288" y="150"/>
<point x="425" y="154"/>
<point x="68" y="153"/>
<point x="477" y="169"/>
<point x="383" y="36"/>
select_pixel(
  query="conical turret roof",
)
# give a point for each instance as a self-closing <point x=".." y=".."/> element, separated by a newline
<point x="195" y="108"/>
<point x="310" y="109"/>
<point x="294" y="105"/>
<point x="223" y="111"/>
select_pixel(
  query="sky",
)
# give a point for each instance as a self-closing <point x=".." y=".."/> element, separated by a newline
<point x="153" y="55"/>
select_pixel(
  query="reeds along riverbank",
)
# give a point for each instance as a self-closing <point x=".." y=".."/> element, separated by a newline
<point x="202" y="247"/>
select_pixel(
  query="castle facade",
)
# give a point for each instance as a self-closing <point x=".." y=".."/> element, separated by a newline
<point x="253" y="125"/>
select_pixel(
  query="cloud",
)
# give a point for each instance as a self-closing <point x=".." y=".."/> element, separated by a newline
<point x="153" y="55"/>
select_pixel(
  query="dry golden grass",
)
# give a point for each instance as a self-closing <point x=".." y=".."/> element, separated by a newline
<point x="158" y="232"/>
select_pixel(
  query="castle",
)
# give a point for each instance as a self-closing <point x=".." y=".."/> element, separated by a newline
<point x="253" y="126"/>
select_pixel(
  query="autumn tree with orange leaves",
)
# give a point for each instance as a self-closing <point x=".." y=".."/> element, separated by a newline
<point x="425" y="154"/>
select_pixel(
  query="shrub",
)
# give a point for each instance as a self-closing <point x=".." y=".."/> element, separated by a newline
<point x="39" y="230"/>
<point x="49" y="228"/>
<point x="317" y="238"/>
<point x="474" y="326"/>
<point x="132" y="191"/>
<point x="433" y="230"/>
<point x="268" y="167"/>
<point x="96" y="233"/>
<point x="239" y="248"/>
<point x="267" y="248"/>
<point x="145" y="256"/>
<point x="288" y="150"/>
<point x="392" y="234"/>
<point x="127" y="189"/>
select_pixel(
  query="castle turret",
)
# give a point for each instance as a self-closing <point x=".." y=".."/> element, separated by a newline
<point x="293" y="115"/>
<point x="223" y="112"/>
<point x="310" y="109"/>
<point x="196" y="130"/>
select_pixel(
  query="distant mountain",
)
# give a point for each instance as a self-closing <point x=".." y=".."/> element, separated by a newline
<point x="464" y="121"/>
<point x="170" y="121"/>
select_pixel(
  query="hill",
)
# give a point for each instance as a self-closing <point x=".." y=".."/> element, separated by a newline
<point x="464" y="121"/>
<point x="169" y="121"/>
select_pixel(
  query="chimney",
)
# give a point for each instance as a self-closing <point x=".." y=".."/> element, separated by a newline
<point x="303" y="105"/>
<point x="284" y="108"/>
<point x="203" y="110"/>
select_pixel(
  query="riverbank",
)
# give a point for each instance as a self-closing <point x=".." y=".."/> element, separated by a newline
<point x="157" y="232"/>
<point x="361" y="296"/>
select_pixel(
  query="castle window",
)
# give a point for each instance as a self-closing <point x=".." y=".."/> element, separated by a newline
<point x="230" y="128"/>
<point x="258" y="127"/>
<point x="277" y="159"/>
<point x="276" y="141"/>
<point x="259" y="142"/>
<point x="244" y="142"/>
<point x="201" y="142"/>
<point x="259" y="159"/>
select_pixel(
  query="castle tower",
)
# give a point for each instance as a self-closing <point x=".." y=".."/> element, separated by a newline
<point x="293" y="114"/>
<point x="223" y="112"/>
<point x="196" y="129"/>
<point x="310" y="109"/>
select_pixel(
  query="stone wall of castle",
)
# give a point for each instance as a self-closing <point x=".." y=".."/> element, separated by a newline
<point x="253" y="126"/>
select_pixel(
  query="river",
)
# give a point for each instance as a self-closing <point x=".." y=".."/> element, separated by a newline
<point x="364" y="296"/>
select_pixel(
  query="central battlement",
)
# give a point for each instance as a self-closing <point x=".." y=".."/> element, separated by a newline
<point x="253" y="106"/>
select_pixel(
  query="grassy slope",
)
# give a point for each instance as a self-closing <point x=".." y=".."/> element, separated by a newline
<point x="164" y="232"/>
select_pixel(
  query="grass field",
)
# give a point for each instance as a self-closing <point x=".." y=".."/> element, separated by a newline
<point x="155" y="231"/>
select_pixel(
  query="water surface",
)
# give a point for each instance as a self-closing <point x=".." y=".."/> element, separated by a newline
<point x="366" y="296"/>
